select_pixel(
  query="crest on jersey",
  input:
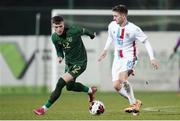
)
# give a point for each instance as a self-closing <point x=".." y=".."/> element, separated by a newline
<point x="69" y="39"/>
<point x="127" y="35"/>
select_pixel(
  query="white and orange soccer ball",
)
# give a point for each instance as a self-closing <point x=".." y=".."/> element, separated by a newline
<point x="96" y="108"/>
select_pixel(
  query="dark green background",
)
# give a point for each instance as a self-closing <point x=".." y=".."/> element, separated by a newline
<point x="17" y="17"/>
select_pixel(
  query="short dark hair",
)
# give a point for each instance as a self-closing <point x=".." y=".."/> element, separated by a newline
<point x="120" y="9"/>
<point x="57" y="19"/>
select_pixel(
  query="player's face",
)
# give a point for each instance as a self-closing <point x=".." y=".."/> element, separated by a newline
<point x="58" y="28"/>
<point x="119" y="17"/>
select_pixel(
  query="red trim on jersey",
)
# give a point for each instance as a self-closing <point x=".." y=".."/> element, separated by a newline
<point x="122" y="33"/>
<point x="134" y="49"/>
<point x="121" y="53"/>
<point x="121" y="39"/>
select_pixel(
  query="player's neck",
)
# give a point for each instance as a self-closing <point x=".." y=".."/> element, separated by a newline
<point x="64" y="32"/>
<point x="124" y="23"/>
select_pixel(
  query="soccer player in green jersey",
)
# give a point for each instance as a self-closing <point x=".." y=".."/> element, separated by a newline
<point x="69" y="45"/>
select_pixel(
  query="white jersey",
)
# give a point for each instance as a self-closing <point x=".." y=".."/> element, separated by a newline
<point x="124" y="39"/>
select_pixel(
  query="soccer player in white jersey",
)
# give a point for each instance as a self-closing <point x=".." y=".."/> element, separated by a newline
<point x="124" y="35"/>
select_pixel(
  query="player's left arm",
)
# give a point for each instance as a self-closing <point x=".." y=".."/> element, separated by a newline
<point x="149" y="49"/>
<point x="88" y="33"/>
<point x="84" y="31"/>
<point x="141" y="36"/>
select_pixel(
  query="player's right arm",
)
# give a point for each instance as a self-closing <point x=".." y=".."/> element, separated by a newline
<point x="102" y="55"/>
<point x="58" y="48"/>
<point x="107" y="45"/>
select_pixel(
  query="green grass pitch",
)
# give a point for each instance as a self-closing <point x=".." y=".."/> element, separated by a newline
<point x="74" y="106"/>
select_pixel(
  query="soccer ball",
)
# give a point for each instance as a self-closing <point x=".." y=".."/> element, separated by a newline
<point x="96" y="108"/>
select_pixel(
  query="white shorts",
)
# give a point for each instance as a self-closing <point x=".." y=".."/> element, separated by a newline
<point x="121" y="65"/>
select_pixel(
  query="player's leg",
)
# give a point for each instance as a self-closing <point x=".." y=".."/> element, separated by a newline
<point x="79" y="87"/>
<point x="55" y="94"/>
<point x="117" y="82"/>
<point x="75" y="71"/>
<point x="135" y="105"/>
<point x="121" y="72"/>
<point x="59" y="86"/>
<point x="118" y="86"/>
<point x="127" y="87"/>
<point x="124" y="88"/>
<point x="76" y="86"/>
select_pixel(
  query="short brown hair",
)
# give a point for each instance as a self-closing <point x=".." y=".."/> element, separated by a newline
<point x="120" y="9"/>
<point x="57" y="19"/>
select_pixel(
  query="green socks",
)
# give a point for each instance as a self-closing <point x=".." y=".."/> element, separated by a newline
<point x="56" y="93"/>
<point x="70" y="86"/>
<point x="76" y="86"/>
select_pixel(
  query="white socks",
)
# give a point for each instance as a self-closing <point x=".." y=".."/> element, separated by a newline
<point x="45" y="108"/>
<point x="123" y="92"/>
<point x="127" y="92"/>
<point x="90" y="90"/>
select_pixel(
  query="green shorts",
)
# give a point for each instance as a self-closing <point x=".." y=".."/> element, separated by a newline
<point x="75" y="70"/>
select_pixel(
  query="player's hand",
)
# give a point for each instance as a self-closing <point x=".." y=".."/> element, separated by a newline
<point x="60" y="59"/>
<point x="93" y="36"/>
<point x="155" y="64"/>
<point x="102" y="55"/>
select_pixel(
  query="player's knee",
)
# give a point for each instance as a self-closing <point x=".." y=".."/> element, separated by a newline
<point x="70" y="86"/>
<point x="116" y="88"/>
<point x="117" y="85"/>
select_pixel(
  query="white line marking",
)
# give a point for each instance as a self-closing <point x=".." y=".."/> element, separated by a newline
<point x="169" y="109"/>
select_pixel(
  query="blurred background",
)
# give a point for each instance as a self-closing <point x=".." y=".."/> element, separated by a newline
<point x="28" y="59"/>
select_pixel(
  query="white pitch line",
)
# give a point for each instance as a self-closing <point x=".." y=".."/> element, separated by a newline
<point x="151" y="109"/>
<point x="161" y="109"/>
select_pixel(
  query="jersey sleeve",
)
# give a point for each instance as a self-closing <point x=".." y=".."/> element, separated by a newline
<point x="109" y="39"/>
<point x="58" y="47"/>
<point x="149" y="49"/>
<point x="140" y="35"/>
<point x="84" y="31"/>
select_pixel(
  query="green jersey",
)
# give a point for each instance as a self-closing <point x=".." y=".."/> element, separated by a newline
<point x="70" y="45"/>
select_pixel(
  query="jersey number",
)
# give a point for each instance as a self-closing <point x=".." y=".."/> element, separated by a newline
<point x="76" y="69"/>
<point x="66" y="45"/>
